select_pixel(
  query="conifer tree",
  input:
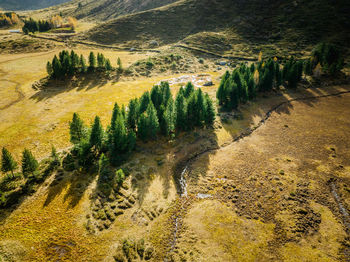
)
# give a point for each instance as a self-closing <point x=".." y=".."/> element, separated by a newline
<point x="8" y="164"/>
<point x="119" y="141"/>
<point x="191" y="117"/>
<point x="308" y="67"/>
<point x="221" y="91"/>
<point x="234" y="99"/>
<point x="56" y="67"/>
<point x="92" y="61"/>
<point x="115" y="113"/>
<point x="251" y="88"/>
<point x="293" y="76"/>
<point x="29" y="163"/>
<point x="200" y="108"/>
<point x="153" y="123"/>
<point x="120" y="66"/>
<point x="144" y="101"/>
<point x="49" y="69"/>
<point x="278" y="76"/>
<point x="82" y="64"/>
<point x="210" y="111"/>
<point x="180" y="108"/>
<point x="108" y="65"/>
<point x="169" y="118"/>
<point x="96" y="137"/>
<point x="189" y="89"/>
<point x="77" y="129"/>
<point x="132" y="116"/>
<point x="142" y="127"/>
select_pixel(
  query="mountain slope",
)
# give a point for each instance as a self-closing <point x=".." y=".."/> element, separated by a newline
<point x="28" y="4"/>
<point x="103" y="10"/>
<point x="254" y="21"/>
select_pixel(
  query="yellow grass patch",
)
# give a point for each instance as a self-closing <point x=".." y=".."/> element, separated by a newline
<point x="225" y="236"/>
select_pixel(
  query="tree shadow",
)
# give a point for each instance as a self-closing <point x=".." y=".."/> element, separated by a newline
<point x="77" y="183"/>
<point x="84" y="82"/>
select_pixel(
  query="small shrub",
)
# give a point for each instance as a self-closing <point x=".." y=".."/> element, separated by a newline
<point x="149" y="63"/>
<point x="120" y="177"/>
<point x="201" y="60"/>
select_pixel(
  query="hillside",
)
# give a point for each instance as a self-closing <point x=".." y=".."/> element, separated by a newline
<point x="291" y="24"/>
<point x="28" y="4"/>
<point x="108" y="9"/>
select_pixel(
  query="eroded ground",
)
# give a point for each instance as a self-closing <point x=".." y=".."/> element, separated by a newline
<point x="270" y="193"/>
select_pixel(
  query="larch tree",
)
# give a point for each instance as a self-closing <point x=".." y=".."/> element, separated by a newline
<point x="92" y="61"/>
<point x="29" y="163"/>
<point x="8" y="163"/>
<point x="96" y="137"/>
<point x="210" y="111"/>
<point x="77" y="129"/>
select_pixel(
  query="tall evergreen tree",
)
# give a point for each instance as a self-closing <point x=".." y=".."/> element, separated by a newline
<point x="144" y="101"/>
<point x="108" y="65"/>
<point x="191" y="117"/>
<point x="8" y="163"/>
<point x="153" y="124"/>
<point x="82" y="64"/>
<point x="251" y="88"/>
<point x="189" y="89"/>
<point x="92" y="61"/>
<point x="234" y="99"/>
<point x="200" y="108"/>
<point x="180" y="108"/>
<point x="209" y="112"/>
<point x="49" y="69"/>
<point x="142" y="127"/>
<point x="77" y="129"/>
<point x="115" y="113"/>
<point x="29" y="163"/>
<point x="56" y="67"/>
<point x="120" y="66"/>
<point x="96" y="137"/>
<point x="169" y="118"/>
<point x="221" y="90"/>
<point x="132" y="116"/>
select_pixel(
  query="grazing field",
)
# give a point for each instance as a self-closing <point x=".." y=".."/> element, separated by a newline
<point x="39" y="119"/>
<point x="266" y="195"/>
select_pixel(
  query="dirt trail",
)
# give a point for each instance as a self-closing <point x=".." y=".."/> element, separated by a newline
<point x="186" y="165"/>
<point x="68" y="42"/>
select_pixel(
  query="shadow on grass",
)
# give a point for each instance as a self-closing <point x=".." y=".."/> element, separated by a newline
<point x="75" y="184"/>
<point x="83" y="82"/>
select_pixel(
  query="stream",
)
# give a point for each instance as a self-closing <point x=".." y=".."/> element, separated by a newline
<point x="182" y="169"/>
<point x="342" y="209"/>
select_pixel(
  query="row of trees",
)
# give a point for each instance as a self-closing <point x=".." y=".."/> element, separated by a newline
<point x="152" y="114"/>
<point x="8" y="19"/>
<point x="245" y="81"/>
<point x="69" y="64"/>
<point x="32" y="26"/>
<point x="8" y="163"/>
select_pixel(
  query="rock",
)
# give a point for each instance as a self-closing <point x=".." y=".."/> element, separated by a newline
<point x="153" y="43"/>
<point x="210" y="83"/>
